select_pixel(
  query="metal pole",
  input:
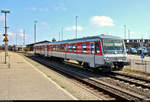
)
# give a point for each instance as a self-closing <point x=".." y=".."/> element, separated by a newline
<point x="124" y="31"/>
<point x="76" y="26"/>
<point x="6" y="42"/>
<point x="128" y="34"/>
<point x="23" y="40"/>
<point x="23" y="37"/>
<point x="35" y="22"/>
<point x="62" y="33"/>
<point x="16" y="43"/>
<point x="16" y="39"/>
<point x="59" y="36"/>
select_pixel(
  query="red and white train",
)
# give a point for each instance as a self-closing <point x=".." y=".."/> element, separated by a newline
<point x="103" y="52"/>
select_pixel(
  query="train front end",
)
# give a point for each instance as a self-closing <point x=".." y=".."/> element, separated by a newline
<point x="114" y="51"/>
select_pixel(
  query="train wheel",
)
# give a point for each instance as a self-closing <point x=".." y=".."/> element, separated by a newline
<point x="85" y="65"/>
<point x="80" y="63"/>
<point x="120" y="67"/>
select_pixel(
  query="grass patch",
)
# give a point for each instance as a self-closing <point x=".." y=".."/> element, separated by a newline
<point x="9" y="65"/>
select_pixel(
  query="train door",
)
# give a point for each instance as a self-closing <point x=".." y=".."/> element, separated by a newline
<point x="92" y="55"/>
<point x="45" y="50"/>
<point x="66" y="51"/>
<point x="99" y="60"/>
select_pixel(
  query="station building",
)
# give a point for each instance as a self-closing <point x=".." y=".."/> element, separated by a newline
<point x="31" y="46"/>
<point x="136" y="42"/>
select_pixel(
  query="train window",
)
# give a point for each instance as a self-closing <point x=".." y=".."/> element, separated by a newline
<point x="92" y="48"/>
<point x="84" y="48"/>
<point x="62" y="47"/>
<point x="58" y="47"/>
<point x="97" y="48"/>
<point x="55" y="47"/>
<point x="51" y="47"/>
<point x="66" y="47"/>
<point x="74" y="47"/>
<point x="70" y="48"/>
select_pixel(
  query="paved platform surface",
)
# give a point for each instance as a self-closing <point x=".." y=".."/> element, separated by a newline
<point x="22" y="81"/>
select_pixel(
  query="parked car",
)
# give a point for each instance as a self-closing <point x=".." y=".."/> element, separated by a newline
<point x="127" y="50"/>
<point x="133" y="50"/>
<point x="141" y="50"/>
<point x="148" y="49"/>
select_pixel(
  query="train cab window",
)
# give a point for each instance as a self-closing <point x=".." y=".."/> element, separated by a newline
<point x="70" y="48"/>
<point x="84" y="48"/>
<point x="97" y="48"/>
<point x="74" y="47"/>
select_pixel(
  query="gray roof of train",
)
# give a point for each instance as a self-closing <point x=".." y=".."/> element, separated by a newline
<point x="85" y="38"/>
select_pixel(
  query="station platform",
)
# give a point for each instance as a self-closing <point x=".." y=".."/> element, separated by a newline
<point x="20" y="80"/>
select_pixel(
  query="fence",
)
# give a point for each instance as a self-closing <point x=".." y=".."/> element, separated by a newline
<point x="139" y="65"/>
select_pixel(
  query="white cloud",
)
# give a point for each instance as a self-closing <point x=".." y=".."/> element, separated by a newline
<point x="45" y="25"/>
<point x="10" y="34"/>
<point x="31" y="9"/>
<point x="132" y="32"/>
<point x="60" y="6"/>
<point x="79" y="28"/>
<point x="101" y="21"/>
<point x="37" y="9"/>
<point x="21" y="33"/>
<point x="2" y="18"/>
<point x="43" y="9"/>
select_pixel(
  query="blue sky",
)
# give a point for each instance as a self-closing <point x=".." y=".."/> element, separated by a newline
<point x="94" y="17"/>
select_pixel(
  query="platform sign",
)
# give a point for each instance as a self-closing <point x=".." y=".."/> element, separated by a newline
<point x="5" y="39"/>
<point x="142" y="56"/>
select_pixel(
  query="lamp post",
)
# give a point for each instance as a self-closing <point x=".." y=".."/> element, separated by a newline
<point x="128" y="33"/>
<point x="76" y="26"/>
<point x="59" y="36"/>
<point x="35" y="22"/>
<point x="124" y="31"/>
<point x="62" y="33"/>
<point x="23" y="40"/>
<point x="5" y="39"/>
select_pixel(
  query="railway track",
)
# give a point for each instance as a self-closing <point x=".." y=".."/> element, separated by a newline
<point x="138" y="81"/>
<point x="136" y="84"/>
<point x="99" y="87"/>
<point x="132" y="79"/>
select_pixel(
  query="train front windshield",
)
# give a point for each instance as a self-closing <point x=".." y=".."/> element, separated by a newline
<point x="113" y="46"/>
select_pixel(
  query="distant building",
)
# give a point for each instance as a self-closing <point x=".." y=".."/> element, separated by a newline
<point x="30" y="46"/>
<point x="136" y="42"/>
<point x="15" y="47"/>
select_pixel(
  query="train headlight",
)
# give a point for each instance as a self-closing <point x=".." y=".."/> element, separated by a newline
<point x="124" y="58"/>
<point x="106" y="59"/>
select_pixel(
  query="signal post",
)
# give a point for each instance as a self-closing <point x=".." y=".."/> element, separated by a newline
<point x="6" y="38"/>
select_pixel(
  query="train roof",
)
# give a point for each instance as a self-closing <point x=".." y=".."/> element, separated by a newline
<point x="89" y="38"/>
